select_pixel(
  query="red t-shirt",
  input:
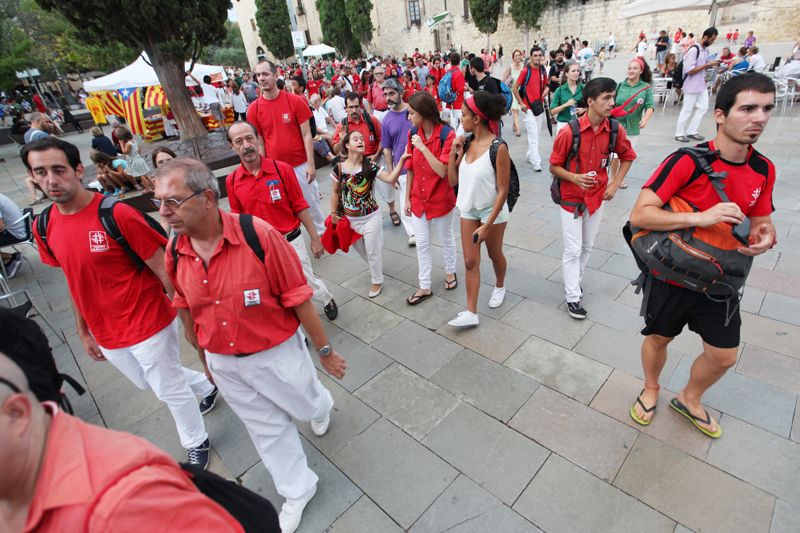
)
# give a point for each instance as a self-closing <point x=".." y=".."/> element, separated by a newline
<point x="533" y="90"/>
<point x="457" y="83"/>
<point x="372" y="143"/>
<point x="273" y="195"/>
<point x="431" y="194"/>
<point x="592" y="156"/>
<point x="433" y="91"/>
<point x="238" y="304"/>
<point x="376" y="99"/>
<point x="409" y="88"/>
<point x="278" y="124"/>
<point x="437" y="73"/>
<point x="313" y="87"/>
<point x="122" y="306"/>
<point x="748" y="184"/>
<point x="39" y="104"/>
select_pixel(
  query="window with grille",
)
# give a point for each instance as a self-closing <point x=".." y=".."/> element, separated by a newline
<point x="414" y="16"/>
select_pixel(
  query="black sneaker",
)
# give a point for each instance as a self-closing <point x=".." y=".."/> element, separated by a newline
<point x="13" y="265"/>
<point x="575" y="310"/>
<point x="199" y="456"/>
<point x="331" y="310"/>
<point x="208" y="403"/>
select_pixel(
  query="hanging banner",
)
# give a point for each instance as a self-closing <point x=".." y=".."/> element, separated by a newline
<point x="95" y="107"/>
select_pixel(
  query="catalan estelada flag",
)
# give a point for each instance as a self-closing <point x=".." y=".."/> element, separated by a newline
<point x="154" y="97"/>
<point x="132" y="104"/>
<point x="111" y="102"/>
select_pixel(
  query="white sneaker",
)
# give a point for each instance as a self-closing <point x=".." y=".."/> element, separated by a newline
<point x="320" y="426"/>
<point x="465" y="319"/>
<point x="412" y="241"/>
<point x="498" y="295"/>
<point x="292" y="513"/>
<point x="537" y="167"/>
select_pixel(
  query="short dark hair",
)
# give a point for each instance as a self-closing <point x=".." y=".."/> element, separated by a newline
<point x="161" y="150"/>
<point x="597" y="86"/>
<point x="455" y="58"/>
<point x="491" y="105"/>
<point x="228" y="133"/>
<point x="300" y="80"/>
<point x="710" y="32"/>
<point x="477" y="63"/>
<point x="272" y="68"/>
<point x="48" y="143"/>
<point x="350" y="95"/>
<point x="206" y="79"/>
<point x="585" y="43"/>
<point x="535" y="48"/>
<point x="751" y="81"/>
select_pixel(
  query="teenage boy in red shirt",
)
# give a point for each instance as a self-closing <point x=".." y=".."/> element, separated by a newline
<point x="585" y="185"/>
<point x="457" y="82"/>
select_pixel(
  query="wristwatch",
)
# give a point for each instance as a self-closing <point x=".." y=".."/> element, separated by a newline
<point x="325" y="351"/>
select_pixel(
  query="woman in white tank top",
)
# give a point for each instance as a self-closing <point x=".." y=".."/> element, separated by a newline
<point x="510" y="76"/>
<point x="481" y="200"/>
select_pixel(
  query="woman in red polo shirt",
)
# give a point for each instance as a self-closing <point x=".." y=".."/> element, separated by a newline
<point x="430" y="199"/>
<point x="410" y="85"/>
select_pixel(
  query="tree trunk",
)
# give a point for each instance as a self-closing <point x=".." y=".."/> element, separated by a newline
<point x="171" y="74"/>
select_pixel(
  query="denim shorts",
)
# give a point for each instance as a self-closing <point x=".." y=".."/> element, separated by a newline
<point x="483" y="214"/>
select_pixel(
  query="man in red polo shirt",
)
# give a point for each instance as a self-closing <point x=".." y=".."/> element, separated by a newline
<point x="356" y="120"/>
<point x="61" y="474"/>
<point x="267" y="189"/>
<point x="375" y="94"/>
<point x="121" y="312"/>
<point x="281" y="120"/>
<point x="530" y="90"/>
<point x="246" y="294"/>
<point x="457" y="82"/>
<point x="585" y="185"/>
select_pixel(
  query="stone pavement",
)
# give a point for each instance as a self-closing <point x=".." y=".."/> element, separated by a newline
<point x="522" y="423"/>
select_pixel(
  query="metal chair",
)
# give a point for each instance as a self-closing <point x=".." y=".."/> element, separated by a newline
<point x="27" y="217"/>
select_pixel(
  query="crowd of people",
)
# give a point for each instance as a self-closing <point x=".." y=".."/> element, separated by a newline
<point x="422" y="134"/>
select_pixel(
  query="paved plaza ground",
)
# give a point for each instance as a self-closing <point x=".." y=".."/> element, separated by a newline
<point x="520" y="424"/>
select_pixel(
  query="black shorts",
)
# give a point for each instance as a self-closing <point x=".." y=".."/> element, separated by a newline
<point x="670" y="308"/>
<point x="6" y="239"/>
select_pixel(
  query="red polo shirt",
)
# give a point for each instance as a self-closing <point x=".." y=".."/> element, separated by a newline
<point x="536" y="83"/>
<point x="272" y="195"/>
<point x="372" y="143"/>
<point x="592" y="156"/>
<point x="457" y="82"/>
<point x="238" y="304"/>
<point x="85" y="484"/>
<point x="278" y="123"/>
<point x="376" y="99"/>
<point x="122" y="306"/>
<point x="431" y="194"/>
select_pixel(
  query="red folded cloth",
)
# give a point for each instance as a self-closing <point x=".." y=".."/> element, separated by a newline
<point x="338" y="237"/>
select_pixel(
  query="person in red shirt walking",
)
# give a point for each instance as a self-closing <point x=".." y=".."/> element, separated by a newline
<point x="282" y="122"/>
<point x="38" y="103"/>
<point x="457" y="82"/>
<point x="431" y="89"/>
<point x="266" y="188"/>
<point x="121" y="312"/>
<point x="375" y="94"/>
<point x="246" y="296"/>
<point x="585" y="185"/>
<point x="429" y="196"/>
<point x="63" y="474"/>
<point x="530" y="90"/>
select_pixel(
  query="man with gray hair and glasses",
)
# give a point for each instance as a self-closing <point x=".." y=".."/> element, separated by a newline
<point x="246" y="295"/>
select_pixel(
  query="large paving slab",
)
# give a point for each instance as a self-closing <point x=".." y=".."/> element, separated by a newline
<point x="417" y="348"/>
<point x="691" y="492"/>
<point x="786" y="518"/>
<point x="770" y="367"/>
<point x="403" y="482"/>
<point x="497" y="346"/>
<point x="366" y="320"/>
<point x="547" y="323"/>
<point x="363" y="361"/>
<point x="564" y="497"/>
<point x="589" y="439"/>
<point x="364" y="517"/>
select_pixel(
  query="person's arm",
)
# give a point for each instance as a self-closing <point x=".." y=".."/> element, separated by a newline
<point x="409" y="185"/>
<point x="456" y="155"/>
<point x="338" y="137"/>
<point x="647" y="213"/>
<point x="437" y="166"/>
<point x="581" y="180"/>
<point x="157" y="266"/>
<point x="316" y="243"/>
<point x="691" y="62"/>
<point x="193" y="78"/>
<point x="89" y="344"/>
<point x="762" y="236"/>
<point x="647" y="114"/>
<point x="388" y="159"/>
<point x="334" y="363"/>
<point x="308" y="141"/>
<point x="506" y="75"/>
<point x="518" y="95"/>
<point x="336" y="189"/>
<point x="394" y="175"/>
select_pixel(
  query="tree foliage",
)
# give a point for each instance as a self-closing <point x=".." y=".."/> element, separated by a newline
<point x="230" y="51"/>
<point x="485" y="14"/>
<point x="336" y="27"/>
<point x="274" y="27"/>
<point x="526" y="13"/>
<point x="169" y="31"/>
<point x="358" y="15"/>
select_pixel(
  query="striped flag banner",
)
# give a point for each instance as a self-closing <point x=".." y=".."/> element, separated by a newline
<point x="132" y="103"/>
<point x="155" y="97"/>
<point x="111" y="102"/>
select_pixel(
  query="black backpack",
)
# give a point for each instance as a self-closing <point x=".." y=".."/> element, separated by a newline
<point x="678" y="77"/>
<point x="106" y="214"/>
<point x="555" y="186"/>
<point x="250" y="237"/>
<point x="513" y="177"/>
<point x="368" y="119"/>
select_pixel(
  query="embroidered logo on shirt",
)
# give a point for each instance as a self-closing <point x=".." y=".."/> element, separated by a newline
<point x="285" y="118"/>
<point x="756" y="194"/>
<point x="252" y="297"/>
<point x="98" y="241"/>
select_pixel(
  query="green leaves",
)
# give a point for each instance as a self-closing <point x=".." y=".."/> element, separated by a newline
<point x="485" y="14"/>
<point x="274" y="27"/>
<point x="526" y="13"/>
<point x="346" y="24"/>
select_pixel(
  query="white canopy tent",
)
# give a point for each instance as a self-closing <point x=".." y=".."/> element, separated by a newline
<point x="141" y="74"/>
<point x="318" y="50"/>
<point x="649" y="7"/>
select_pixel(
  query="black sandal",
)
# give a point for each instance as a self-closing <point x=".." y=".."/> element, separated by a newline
<point x="415" y="298"/>
<point x="452" y="284"/>
<point x="395" y="218"/>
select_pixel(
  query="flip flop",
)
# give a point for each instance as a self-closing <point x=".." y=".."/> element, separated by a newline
<point x="415" y="298"/>
<point x="452" y="284"/>
<point x="395" y="218"/>
<point x="682" y="409"/>
<point x="641" y="421"/>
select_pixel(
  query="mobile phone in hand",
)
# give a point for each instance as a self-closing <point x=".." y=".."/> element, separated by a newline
<point x="474" y="238"/>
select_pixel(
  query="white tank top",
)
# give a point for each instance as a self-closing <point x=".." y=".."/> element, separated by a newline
<point x="477" y="184"/>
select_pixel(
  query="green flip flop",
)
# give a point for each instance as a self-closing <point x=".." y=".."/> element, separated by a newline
<point x="682" y="409"/>
<point x="641" y="421"/>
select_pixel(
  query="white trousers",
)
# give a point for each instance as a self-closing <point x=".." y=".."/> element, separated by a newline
<point x="312" y="196"/>
<point x="578" y="235"/>
<point x="385" y="190"/>
<point x="321" y="293"/>
<point x="379" y="114"/>
<point x="455" y="121"/>
<point x="694" y="107"/>
<point x="266" y="390"/>
<point x="155" y="364"/>
<point x="408" y="224"/>
<point x="422" y="230"/>
<point x="532" y="125"/>
<point x="370" y="245"/>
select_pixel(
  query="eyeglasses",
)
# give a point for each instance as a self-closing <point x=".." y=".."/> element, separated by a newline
<point x="10" y="385"/>
<point x="172" y="203"/>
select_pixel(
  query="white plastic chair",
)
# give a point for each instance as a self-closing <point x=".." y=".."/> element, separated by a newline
<point x="660" y="87"/>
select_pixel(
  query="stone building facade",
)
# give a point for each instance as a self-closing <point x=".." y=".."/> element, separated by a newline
<point x="400" y="24"/>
